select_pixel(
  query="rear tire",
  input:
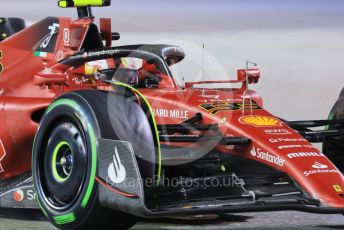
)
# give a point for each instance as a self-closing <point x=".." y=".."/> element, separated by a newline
<point x="334" y="147"/>
<point x="65" y="156"/>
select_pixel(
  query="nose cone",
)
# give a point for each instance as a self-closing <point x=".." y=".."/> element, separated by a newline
<point x="279" y="146"/>
<point x="321" y="179"/>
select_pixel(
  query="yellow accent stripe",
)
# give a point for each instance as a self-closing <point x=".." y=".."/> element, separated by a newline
<point x="154" y="123"/>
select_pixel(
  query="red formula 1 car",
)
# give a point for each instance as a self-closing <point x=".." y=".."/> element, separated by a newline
<point x="96" y="135"/>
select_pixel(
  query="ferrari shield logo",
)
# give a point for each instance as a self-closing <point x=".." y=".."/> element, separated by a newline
<point x="337" y="188"/>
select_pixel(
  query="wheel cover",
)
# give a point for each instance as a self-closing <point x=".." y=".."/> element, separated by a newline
<point x="64" y="165"/>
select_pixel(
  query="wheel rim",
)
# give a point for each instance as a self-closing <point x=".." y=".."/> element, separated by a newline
<point x="64" y="165"/>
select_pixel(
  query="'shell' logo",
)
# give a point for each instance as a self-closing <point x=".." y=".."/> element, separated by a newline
<point x="260" y="121"/>
<point x="2" y="155"/>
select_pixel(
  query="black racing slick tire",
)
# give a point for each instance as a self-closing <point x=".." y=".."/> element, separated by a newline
<point x="64" y="163"/>
<point x="333" y="147"/>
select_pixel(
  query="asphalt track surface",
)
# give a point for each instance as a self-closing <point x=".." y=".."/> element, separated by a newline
<point x="298" y="44"/>
<point x="18" y="220"/>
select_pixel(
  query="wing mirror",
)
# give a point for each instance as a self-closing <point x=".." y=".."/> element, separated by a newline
<point x="252" y="75"/>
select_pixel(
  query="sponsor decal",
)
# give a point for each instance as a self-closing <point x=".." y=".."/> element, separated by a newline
<point x="2" y="155"/>
<point x="66" y="36"/>
<point x="277" y="131"/>
<point x="318" y="165"/>
<point x="109" y="52"/>
<point x="59" y="55"/>
<point x="47" y="71"/>
<point x="53" y="29"/>
<point x="18" y="195"/>
<point x="260" y="121"/>
<point x="289" y="146"/>
<point x="1" y="91"/>
<point x="337" y="188"/>
<point x="30" y="195"/>
<point x="216" y="107"/>
<point x="319" y="168"/>
<point x="305" y="154"/>
<point x="267" y="157"/>
<point x="80" y="81"/>
<point x="174" y="113"/>
<point x="276" y="140"/>
<point x="116" y="170"/>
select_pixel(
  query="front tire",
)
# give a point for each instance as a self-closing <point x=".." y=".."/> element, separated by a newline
<point x="65" y="158"/>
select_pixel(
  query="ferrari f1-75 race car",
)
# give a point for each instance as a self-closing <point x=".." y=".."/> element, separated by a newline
<point x="96" y="136"/>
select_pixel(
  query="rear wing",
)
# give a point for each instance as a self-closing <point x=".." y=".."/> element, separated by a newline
<point x="10" y="26"/>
